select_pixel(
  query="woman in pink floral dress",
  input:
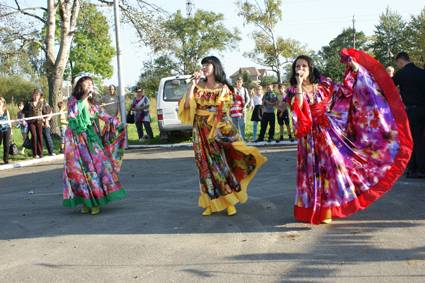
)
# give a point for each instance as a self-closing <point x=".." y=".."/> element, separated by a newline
<point x="354" y="140"/>
<point x="92" y="158"/>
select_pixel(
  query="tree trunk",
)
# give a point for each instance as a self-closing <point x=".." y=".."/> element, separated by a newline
<point x="56" y="63"/>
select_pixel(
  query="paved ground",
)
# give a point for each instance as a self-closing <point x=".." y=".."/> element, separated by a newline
<point x="157" y="234"/>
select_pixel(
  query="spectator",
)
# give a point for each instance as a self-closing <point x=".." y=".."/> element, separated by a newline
<point x="268" y="118"/>
<point x="283" y="114"/>
<point x="34" y="108"/>
<point x="22" y="124"/>
<point x="63" y="123"/>
<point x="247" y="99"/>
<point x="390" y="71"/>
<point x="141" y="106"/>
<point x="237" y="108"/>
<point x="257" y="102"/>
<point x="5" y="129"/>
<point x="411" y="81"/>
<point x="47" y="134"/>
<point x="112" y="99"/>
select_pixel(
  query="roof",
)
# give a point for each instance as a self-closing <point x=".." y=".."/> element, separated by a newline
<point x="253" y="71"/>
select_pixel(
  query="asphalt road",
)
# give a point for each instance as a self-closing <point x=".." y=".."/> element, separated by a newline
<point x="157" y="233"/>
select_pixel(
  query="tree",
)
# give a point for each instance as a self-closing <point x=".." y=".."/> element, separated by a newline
<point x="56" y="56"/>
<point x="270" y="50"/>
<point x="390" y="37"/>
<point x="153" y="71"/>
<point x="190" y="39"/>
<point x="330" y="55"/>
<point x="416" y="39"/>
<point x="266" y="80"/>
<point x="91" y="49"/>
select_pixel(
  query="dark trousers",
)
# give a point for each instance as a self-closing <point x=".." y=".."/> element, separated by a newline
<point x="267" y="119"/>
<point x="36" y="130"/>
<point x="48" y="139"/>
<point x="417" y="127"/>
<point x="147" y="125"/>
<point x="5" y="139"/>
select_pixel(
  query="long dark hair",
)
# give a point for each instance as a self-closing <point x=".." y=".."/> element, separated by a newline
<point x="78" y="91"/>
<point x="314" y="74"/>
<point x="219" y="74"/>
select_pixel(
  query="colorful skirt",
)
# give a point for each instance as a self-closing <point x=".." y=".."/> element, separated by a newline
<point x="91" y="171"/>
<point x="226" y="165"/>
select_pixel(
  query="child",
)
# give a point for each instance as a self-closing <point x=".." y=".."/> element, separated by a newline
<point x="63" y="123"/>
<point x="22" y="125"/>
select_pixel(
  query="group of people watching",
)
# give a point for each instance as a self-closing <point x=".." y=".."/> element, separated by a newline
<point x="264" y="106"/>
<point x="39" y="127"/>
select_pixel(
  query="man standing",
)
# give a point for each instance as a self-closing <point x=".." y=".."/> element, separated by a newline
<point x="237" y="110"/>
<point x="268" y="118"/>
<point x="411" y="81"/>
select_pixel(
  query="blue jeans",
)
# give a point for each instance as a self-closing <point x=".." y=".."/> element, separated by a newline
<point x="254" y="129"/>
<point x="240" y="125"/>
<point x="48" y="140"/>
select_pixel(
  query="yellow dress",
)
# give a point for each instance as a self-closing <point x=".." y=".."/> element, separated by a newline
<point x="226" y="164"/>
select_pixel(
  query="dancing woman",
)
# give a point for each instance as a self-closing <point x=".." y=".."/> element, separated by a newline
<point x="226" y="165"/>
<point x="92" y="158"/>
<point x="354" y="140"/>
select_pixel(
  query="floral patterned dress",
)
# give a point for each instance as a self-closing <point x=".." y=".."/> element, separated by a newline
<point x="353" y="142"/>
<point x="92" y="158"/>
<point x="226" y="165"/>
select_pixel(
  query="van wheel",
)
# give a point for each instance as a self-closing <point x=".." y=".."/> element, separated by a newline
<point x="163" y="136"/>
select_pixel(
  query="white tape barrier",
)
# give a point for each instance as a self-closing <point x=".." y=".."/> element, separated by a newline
<point x="43" y="116"/>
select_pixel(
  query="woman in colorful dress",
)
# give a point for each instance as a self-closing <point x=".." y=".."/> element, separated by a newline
<point x="226" y="165"/>
<point x="354" y="140"/>
<point x="92" y="157"/>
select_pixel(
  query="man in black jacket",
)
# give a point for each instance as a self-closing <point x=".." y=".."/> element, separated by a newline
<point x="411" y="81"/>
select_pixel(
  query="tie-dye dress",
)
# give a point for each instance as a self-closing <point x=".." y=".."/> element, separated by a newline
<point x="354" y="142"/>
<point x="226" y="165"/>
<point x="92" y="157"/>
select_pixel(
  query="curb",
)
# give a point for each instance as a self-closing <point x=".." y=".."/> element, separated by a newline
<point x="46" y="159"/>
<point x="26" y="163"/>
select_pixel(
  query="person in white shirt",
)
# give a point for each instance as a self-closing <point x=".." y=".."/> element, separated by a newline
<point x="257" y="102"/>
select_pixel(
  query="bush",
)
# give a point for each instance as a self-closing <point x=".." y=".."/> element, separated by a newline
<point x="15" y="89"/>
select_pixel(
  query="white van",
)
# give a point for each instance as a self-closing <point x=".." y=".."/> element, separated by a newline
<point x="170" y="91"/>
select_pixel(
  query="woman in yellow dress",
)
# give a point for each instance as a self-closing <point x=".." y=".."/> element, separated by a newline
<point x="226" y="165"/>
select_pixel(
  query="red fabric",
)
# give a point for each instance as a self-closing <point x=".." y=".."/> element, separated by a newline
<point x="402" y="158"/>
<point x="304" y="121"/>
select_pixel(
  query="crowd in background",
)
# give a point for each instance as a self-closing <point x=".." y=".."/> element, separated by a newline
<point x="266" y="103"/>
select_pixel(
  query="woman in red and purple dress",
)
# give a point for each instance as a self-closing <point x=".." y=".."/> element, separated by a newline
<point x="354" y="140"/>
<point x="226" y="165"/>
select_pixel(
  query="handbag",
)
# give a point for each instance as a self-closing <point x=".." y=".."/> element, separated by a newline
<point x="13" y="149"/>
<point x="130" y="117"/>
<point x="27" y="143"/>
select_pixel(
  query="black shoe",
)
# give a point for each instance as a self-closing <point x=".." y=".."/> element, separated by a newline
<point x="291" y="138"/>
<point x="259" y="140"/>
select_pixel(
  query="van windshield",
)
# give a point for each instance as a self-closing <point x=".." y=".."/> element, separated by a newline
<point x="174" y="89"/>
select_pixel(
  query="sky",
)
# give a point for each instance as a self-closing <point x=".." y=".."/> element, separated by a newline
<point x="312" y="22"/>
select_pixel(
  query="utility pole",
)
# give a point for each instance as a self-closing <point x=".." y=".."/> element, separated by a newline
<point x="189" y="8"/>
<point x="120" y="84"/>
<point x="354" y="32"/>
